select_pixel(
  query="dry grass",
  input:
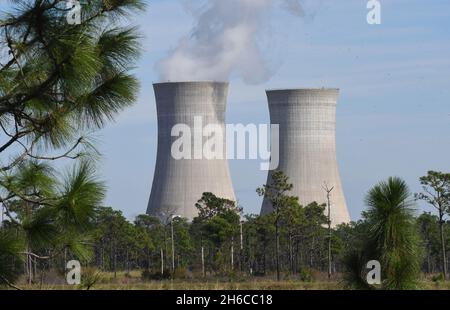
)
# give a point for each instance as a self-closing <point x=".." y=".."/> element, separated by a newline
<point x="250" y="285"/>
<point x="184" y="285"/>
<point x="133" y="281"/>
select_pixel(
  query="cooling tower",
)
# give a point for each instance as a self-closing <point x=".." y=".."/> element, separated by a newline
<point x="307" y="146"/>
<point x="179" y="183"/>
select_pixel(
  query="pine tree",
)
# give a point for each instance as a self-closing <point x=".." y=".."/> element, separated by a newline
<point x="59" y="80"/>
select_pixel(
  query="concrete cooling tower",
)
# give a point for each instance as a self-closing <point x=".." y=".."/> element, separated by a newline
<point x="179" y="183"/>
<point x="307" y="146"/>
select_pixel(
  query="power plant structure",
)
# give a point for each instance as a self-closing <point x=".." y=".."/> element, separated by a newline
<point x="179" y="183"/>
<point x="307" y="147"/>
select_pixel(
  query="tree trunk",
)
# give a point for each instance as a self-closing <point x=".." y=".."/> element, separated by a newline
<point x="162" y="261"/>
<point x="115" y="262"/>
<point x="329" y="254"/>
<point x="291" y="262"/>
<point x="29" y="266"/>
<point x="65" y="258"/>
<point x="232" y="254"/>
<point x="34" y="267"/>
<point x="441" y="228"/>
<point x="203" y="262"/>
<point x="103" y="258"/>
<point x="329" y="232"/>
<point x="264" y="258"/>
<point x="277" y="245"/>
<point x="165" y="243"/>
<point x="128" y="263"/>
<point x="29" y="269"/>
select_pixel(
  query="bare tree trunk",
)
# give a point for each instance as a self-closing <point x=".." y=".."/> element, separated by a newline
<point x="162" y="261"/>
<point x="115" y="262"/>
<point x="291" y="263"/>
<point x="29" y="266"/>
<point x="241" y="249"/>
<point x="165" y="242"/>
<point x="203" y="262"/>
<point x="30" y="269"/>
<point x="329" y="251"/>
<point x="41" y="282"/>
<point x="103" y="258"/>
<point x="25" y="265"/>
<point x="65" y="258"/>
<point x="232" y="253"/>
<point x="441" y="228"/>
<point x="329" y="190"/>
<point x="34" y="267"/>
<point x="128" y="263"/>
<point x="264" y="258"/>
<point x="277" y="245"/>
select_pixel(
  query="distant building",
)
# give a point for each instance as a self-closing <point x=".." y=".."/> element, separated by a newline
<point x="179" y="184"/>
<point x="307" y="146"/>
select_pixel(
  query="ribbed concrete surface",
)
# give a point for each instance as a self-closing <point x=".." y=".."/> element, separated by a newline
<point x="307" y="119"/>
<point x="179" y="184"/>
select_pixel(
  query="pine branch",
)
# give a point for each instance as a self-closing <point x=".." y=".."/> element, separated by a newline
<point x="6" y="281"/>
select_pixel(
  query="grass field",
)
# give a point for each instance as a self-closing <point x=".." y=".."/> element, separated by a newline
<point x="133" y="281"/>
<point x="183" y="285"/>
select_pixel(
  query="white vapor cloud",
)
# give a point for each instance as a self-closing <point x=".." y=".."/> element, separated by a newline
<point x="225" y="40"/>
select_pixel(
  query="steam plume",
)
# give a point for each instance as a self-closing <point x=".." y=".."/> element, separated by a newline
<point x="225" y="41"/>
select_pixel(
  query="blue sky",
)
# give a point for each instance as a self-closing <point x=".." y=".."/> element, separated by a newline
<point x="393" y="116"/>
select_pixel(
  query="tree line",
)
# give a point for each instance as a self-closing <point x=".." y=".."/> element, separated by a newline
<point x="293" y="241"/>
<point x="221" y="242"/>
<point x="60" y="81"/>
